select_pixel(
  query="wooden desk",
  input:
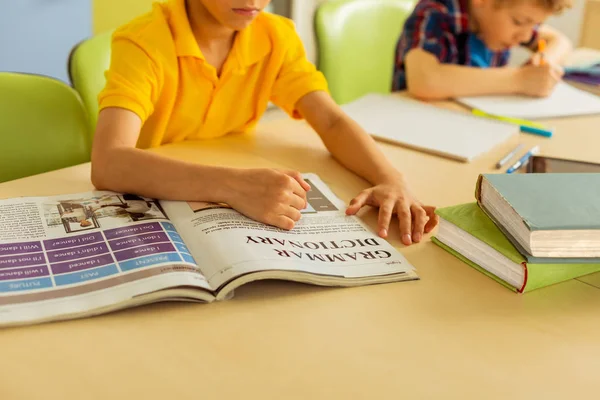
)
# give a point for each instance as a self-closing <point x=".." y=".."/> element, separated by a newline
<point x="454" y="334"/>
<point x="590" y="37"/>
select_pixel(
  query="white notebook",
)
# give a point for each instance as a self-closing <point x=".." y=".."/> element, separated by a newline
<point x="565" y="101"/>
<point x="411" y="123"/>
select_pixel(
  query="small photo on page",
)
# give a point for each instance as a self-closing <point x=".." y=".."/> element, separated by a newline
<point x="107" y="211"/>
<point x="317" y="201"/>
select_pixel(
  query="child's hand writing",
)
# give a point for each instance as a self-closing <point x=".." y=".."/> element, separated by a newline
<point x="539" y="81"/>
<point x="267" y="195"/>
<point x="394" y="198"/>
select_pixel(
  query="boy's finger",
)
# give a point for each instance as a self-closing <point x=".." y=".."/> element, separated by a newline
<point x="293" y="213"/>
<point x="405" y="222"/>
<point x="357" y="203"/>
<point x="298" y="178"/>
<point x="556" y="75"/>
<point x="385" y="216"/>
<point x="433" y="218"/>
<point x="420" y="218"/>
<point x="298" y="202"/>
<point x="558" y="69"/>
<point x="301" y="194"/>
<point x="283" y="222"/>
<point x="297" y="189"/>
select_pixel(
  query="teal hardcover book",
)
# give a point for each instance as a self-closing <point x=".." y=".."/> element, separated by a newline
<point x="545" y="215"/>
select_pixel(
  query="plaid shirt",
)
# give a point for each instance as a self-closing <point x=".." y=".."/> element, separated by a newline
<point x="441" y="27"/>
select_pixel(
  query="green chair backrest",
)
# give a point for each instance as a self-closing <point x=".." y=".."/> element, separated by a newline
<point x="43" y="126"/>
<point x="357" y="43"/>
<point x="87" y="63"/>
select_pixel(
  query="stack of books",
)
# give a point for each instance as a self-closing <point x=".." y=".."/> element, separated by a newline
<point x="527" y="231"/>
<point x="588" y="74"/>
<point x="585" y="77"/>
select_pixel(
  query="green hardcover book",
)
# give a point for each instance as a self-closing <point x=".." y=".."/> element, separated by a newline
<point x="546" y="215"/>
<point x="469" y="234"/>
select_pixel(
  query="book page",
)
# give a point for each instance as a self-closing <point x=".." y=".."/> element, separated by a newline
<point x="69" y="246"/>
<point x="325" y="241"/>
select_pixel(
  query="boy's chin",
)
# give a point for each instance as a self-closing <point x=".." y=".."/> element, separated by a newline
<point x="238" y="26"/>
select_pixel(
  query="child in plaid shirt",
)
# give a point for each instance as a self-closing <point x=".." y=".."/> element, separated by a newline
<point x="452" y="48"/>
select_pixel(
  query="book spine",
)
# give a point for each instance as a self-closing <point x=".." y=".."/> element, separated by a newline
<point x="525" y="275"/>
<point x="478" y="188"/>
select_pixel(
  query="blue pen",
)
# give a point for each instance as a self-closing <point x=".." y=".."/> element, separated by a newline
<point x="536" y="131"/>
<point x="523" y="160"/>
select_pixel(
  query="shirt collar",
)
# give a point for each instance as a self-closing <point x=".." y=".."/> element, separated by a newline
<point x="185" y="42"/>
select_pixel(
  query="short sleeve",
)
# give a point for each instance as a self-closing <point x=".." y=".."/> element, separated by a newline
<point x="132" y="82"/>
<point x="431" y="29"/>
<point x="296" y="78"/>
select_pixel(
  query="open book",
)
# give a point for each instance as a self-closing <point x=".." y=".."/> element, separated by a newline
<point x="79" y="255"/>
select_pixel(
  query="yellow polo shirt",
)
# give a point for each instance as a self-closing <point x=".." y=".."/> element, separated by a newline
<point x="158" y="72"/>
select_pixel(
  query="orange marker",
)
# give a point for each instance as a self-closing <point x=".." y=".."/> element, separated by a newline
<point x="541" y="49"/>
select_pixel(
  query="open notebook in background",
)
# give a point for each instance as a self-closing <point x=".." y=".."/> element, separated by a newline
<point x="582" y="57"/>
<point x="425" y="127"/>
<point x="565" y="101"/>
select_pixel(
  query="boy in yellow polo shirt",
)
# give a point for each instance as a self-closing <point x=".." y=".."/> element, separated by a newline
<point x="200" y="69"/>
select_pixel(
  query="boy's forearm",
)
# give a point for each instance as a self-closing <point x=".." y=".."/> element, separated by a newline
<point x="358" y="152"/>
<point x="142" y="172"/>
<point x="429" y="79"/>
<point x="345" y="139"/>
<point x="449" y="81"/>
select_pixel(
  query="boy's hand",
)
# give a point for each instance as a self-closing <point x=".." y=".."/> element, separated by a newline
<point x="539" y="81"/>
<point x="267" y="195"/>
<point x="395" y="198"/>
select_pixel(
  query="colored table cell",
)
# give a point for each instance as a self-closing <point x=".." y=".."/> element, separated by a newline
<point x="133" y="241"/>
<point x="24" y="273"/>
<point x="144" y="251"/>
<point x="132" y="230"/>
<point x="87" y="275"/>
<point x="79" y="265"/>
<point x="20" y="248"/>
<point x="77" y="252"/>
<point x="25" y="284"/>
<point x="73" y="241"/>
<point x="150" y="261"/>
<point x="22" y="261"/>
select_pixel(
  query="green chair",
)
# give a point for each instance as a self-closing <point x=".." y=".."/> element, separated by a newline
<point x="87" y="63"/>
<point x="357" y="42"/>
<point x="43" y="126"/>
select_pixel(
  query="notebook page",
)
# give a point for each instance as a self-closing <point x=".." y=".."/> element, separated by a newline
<point x="453" y="134"/>
<point x="565" y="101"/>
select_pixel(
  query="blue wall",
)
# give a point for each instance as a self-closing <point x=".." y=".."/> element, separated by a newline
<point x="36" y="36"/>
